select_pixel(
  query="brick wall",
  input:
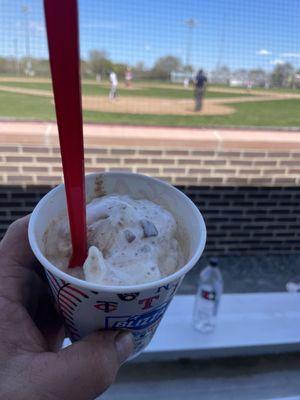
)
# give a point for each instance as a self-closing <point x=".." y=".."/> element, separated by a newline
<point x="22" y="164"/>
<point x="249" y="197"/>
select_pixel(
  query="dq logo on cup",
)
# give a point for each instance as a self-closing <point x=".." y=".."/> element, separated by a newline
<point x="134" y="322"/>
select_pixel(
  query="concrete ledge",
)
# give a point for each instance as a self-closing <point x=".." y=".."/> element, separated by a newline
<point x="257" y="323"/>
<point x="248" y="324"/>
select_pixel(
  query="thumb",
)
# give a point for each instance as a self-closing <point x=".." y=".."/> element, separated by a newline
<point x="88" y="367"/>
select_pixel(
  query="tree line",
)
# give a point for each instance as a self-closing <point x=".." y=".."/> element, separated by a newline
<point x="99" y="64"/>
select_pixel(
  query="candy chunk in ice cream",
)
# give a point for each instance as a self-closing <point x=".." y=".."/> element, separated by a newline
<point x="131" y="242"/>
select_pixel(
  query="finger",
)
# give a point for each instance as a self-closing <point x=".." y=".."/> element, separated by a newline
<point x="15" y="244"/>
<point x="49" y="323"/>
<point x="20" y="272"/>
<point x="22" y="280"/>
<point x="87" y="368"/>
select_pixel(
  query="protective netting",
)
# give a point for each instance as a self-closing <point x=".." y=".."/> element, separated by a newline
<point x="140" y="58"/>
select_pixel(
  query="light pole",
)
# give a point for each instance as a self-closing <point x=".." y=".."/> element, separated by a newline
<point x="191" y="24"/>
<point x="25" y="11"/>
<point x="221" y="49"/>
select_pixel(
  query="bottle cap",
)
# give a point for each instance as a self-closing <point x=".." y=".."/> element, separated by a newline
<point x="214" y="261"/>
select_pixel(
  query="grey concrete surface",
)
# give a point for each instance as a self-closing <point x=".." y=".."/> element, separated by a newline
<point x="246" y="274"/>
<point x="249" y="378"/>
<point x="254" y="378"/>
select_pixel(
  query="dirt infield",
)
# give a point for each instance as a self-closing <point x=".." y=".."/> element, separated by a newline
<point x="146" y="105"/>
<point x="150" y="105"/>
<point x="135" y="105"/>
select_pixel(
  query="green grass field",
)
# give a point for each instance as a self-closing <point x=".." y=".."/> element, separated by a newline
<point x="157" y="92"/>
<point x="279" y="113"/>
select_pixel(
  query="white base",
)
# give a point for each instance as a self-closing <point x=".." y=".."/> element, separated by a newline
<point x="257" y="323"/>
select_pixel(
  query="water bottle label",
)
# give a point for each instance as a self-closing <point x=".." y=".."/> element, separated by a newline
<point x="208" y="295"/>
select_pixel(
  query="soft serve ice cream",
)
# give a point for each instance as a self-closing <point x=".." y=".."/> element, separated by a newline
<point x="131" y="242"/>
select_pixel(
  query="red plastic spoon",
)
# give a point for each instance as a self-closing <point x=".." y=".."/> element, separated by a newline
<point x="63" y="42"/>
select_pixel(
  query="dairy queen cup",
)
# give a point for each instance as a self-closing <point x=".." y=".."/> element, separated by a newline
<point x="86" y="307"/>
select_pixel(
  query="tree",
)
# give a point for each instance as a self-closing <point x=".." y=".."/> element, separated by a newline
<point x="240" y="75"/>
<point x="221" y="75"/>
<point x="258" y="77"/>
<point x="3" y="65"/>
<point x="139" y="71"/>
<point x="7" y="65"/>
<point x="99" y="63"/>
<point x="85" y="69"/>
<point x="282" y="75"/>
<point x="40" y="66"/>
<point x="164" y="66"/>
<point x="188" y="69"/>
<point x="140" y="66"/>
<point x="119" y="69"/>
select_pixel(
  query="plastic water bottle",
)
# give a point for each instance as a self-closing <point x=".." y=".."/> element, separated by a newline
<point x="209" y="292"/>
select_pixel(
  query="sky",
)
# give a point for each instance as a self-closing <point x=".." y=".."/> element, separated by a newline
<point x="237" y="33"/>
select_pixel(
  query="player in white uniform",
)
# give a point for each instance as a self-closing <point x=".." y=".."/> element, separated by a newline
<point x="113" y="86"/>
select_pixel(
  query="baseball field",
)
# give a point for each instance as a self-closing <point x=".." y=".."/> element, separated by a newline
<point x="155" y="103"/>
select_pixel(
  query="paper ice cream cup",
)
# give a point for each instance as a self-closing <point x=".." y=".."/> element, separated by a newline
<point x="86" y="307"/>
